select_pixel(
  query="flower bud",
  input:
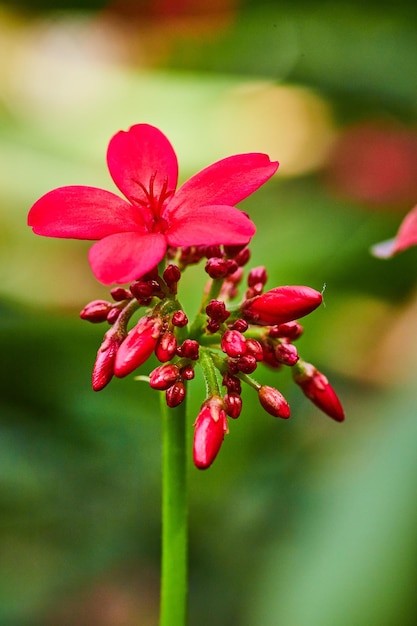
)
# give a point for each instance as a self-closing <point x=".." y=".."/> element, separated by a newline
<point x="216" y="267"/>
<point x="280" y="305"/>
<point x="96" y="311"/>
<point x="288" y="330"/>
<point x="164" y="376"/>
<point x="175" y="394"/>
<point x="179" y="319"/>
<point x="209" y="430"/>
<point x="233" y="403"/>
<point x="254" y="348"/>
<point x="114" y="313"/>
<point x="138" y="345"/>
<point x="233" y="343"/>
<point x="257" y="275"/>
<point x="317" y="388"/>
<point x="240" y="325"/>
<point x="166" y="347"/>
<point x="216" y="309"/>
<point x="103" y="367"/>
<point x="286" y="353"/>
<point x="187" y="372"/>
<point x="247" y="364"/>
<point x="189" y="349"/>
<point x="232" y="383"/>
<point x="273" y="402"/>
<point x="120" y="293"/>
<point x="171" y="276"/>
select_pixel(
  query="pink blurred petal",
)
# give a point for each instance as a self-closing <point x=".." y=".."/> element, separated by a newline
<point x="404" y="239"/>
<point x="383" y="249"/>
<point x="225" y="182"/>
<point x="123" y="257"/>
<point x="211" y="225"/>
<point x="407" y="233"/>
<point x="136" y="155"/>
<point x="80" y="212"/>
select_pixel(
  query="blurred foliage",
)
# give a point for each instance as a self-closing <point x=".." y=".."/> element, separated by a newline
<point x="298" y="523"/>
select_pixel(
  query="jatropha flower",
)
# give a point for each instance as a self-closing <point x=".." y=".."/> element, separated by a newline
<point x="134" y="233"/>
<point x="229" y="338"/>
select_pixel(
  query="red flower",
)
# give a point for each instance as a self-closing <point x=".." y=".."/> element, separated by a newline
<point x="404" y="239"/>
<point x="134" y="234"/>
<point x="280" y="305"/>
<point x="210" y="428"/>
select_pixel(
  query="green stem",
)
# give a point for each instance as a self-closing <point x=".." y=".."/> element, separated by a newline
<point x="174" y="515"/>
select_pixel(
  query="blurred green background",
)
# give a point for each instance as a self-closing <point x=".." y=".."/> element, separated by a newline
<point x="299" y="523"/>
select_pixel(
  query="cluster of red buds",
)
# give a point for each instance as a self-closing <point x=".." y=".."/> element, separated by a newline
<point x="226" y="339"/>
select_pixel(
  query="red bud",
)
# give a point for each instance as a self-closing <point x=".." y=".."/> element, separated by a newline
<point x="210" y="428"/>
<point x="317" y="388"/>
<point x="103" y="367"/>
<point x="96" y="311"/>
<point x="274" y="402"/>
<point x="164" y="376"/>
<point x="138" y="345"/>
<point x="233" y="343"/>
<point x="280" y="305"/>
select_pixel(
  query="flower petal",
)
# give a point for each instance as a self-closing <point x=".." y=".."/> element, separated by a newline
<point x="124" y="257"/>
<point x="137" y="156"/>
<point x="225" y="182"/>
<point x="404" y="239"/>
<point x="211" y="225"/>
<point x="82" y="213"/>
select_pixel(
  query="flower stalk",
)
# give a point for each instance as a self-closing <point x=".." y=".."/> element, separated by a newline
<point x="174" y="515"/>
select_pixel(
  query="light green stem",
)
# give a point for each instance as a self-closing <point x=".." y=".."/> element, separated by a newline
<point x="174" y="515"/>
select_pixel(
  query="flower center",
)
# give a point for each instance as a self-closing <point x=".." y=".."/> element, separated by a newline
<point x="153" y="204"/>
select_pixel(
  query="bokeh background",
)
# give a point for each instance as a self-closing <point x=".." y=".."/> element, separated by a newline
<point x="299" y="523"/>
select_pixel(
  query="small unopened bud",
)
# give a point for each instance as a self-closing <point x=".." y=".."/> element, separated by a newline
<point x="119" y="293"/>
<point x="179" y="319"/>
<point x="273" y="402"/>
<point x="209" y="430"/>
<point x="288" y="330"/>
<point x="254" y="348"/>
<point x="257" y="275"/>
<point x="171" y="276"/>
<point x="103" y="369"/>
<point x="317" y="388"/>
<point x="175" y="394"/>
<point x="187" y="372"/>
<point x="216" y="309"/>
<point x="233" y="343"/>
<point x="212" y="326"/>
<point x="232" y="383"/>
<point x="138" y="345"/>
<point x="166" y="347"/>
<point x="216" y="267"/>
<point x="114" y="313"/>
<point x="240" y="325"/>
<point x="189" y="349"/>
<point x="247" y="364"/>
<point x="233" y="403"/>
<point x="269" y="357"/>
<point x="143" y="290"/>
<point x="164" y="376"/>
<point x="242" y="257"/>
<point x="280" y="305"/>
<point x="286" y="353"/>
<point x="96" y="311"/>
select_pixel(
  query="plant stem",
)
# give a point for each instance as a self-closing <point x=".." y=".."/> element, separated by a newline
<point x="174" y="515"/>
